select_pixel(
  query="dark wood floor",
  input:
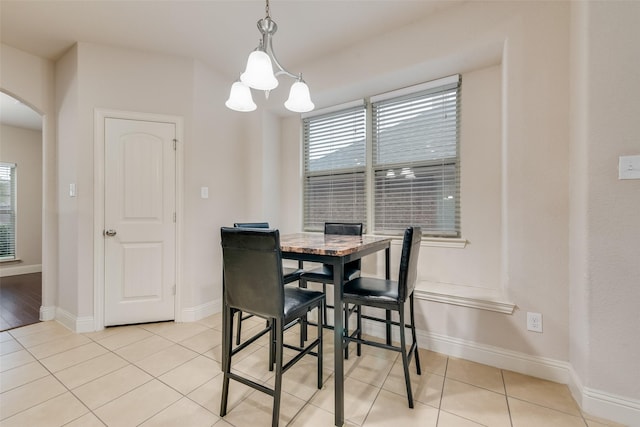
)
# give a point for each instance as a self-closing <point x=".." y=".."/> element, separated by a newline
<point x="20" y="300"/>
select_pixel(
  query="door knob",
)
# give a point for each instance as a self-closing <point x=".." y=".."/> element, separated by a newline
<point x="110" y="233"/>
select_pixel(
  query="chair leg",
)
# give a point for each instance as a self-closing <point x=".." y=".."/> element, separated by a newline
<point x="226" y="358"/>
<point x="358" y="329"/>
<point x="302" y="283"/>
<point x="324" y="304"/>
<point x="319" y="349"/>
<point x="277" y="389"/>
<point x="272" y="346"/>
<point x="239" y="328"/>
<point x="346" y="330"/>
<point x="359" y="326"/>
<point x="405" y="358"/>
<point x="413" y="333"/>
<point x="388" y="325"/>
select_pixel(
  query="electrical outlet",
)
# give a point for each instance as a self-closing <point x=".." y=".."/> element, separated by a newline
<point x="534" y="322"/>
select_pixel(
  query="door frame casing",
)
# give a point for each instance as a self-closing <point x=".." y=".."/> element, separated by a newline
<point x="100" y="115"/>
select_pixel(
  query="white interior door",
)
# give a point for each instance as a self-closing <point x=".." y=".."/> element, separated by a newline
<point x="140" y="228"/>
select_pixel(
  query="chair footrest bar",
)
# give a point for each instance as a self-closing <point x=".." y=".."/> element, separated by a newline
<point x="377" y="319"/>
<point x="324" y="325"/>
<point x="372" y="343"/>
<point x="251" y="384"/>
<point x="250" y="341"/>
<point x="300" y="355"/>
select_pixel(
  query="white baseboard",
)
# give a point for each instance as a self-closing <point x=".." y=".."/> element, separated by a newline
<point x="605" y="405"/>
<point x="594" y="402"/>
<point x="47" y="313"/>
<point x="20" y="269"/>
<point x="201" y="311"/>
<point x="86" y="324"/>
<point x="76" y="324"/>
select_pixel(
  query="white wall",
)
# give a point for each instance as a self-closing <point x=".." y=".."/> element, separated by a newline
<point x="93" y="76"/>
<point x="68" y="137"/>
<point x="605" y="273"/>
<point x="516" y="221"/>
<point x="31" y="80"/>
<point x="214" y="157"/>
<point x="24" y="148"/>
<point x="569" y="239"/>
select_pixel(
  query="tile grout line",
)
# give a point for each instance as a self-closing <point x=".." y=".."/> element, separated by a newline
<point x="444" y="380"/>
<point x="68" y="390"/>
<point x="506" y="397"/>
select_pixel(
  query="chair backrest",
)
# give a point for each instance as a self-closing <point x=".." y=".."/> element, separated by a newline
<point x="409" y="262"/>
<point x="251" y="224"/>
<point x="348" y="228"/>
<point x="252" y="266"/>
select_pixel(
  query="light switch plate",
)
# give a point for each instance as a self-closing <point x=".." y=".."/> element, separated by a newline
<point x="629" y="167"/>
<point x="204" y="192"/>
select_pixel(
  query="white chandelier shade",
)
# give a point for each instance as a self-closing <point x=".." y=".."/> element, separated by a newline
<point x="240" y="98"/>
<point x="259" y="75"/>
<point x="259" y="72"/>
<point x="299" y="98"/>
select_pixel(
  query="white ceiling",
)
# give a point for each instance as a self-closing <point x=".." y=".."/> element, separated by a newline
<point x="220" y="33"/>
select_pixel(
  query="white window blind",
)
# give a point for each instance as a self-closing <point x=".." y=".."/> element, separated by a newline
<point x="334" y="167"/>
<point x="7" y="211"/>
<point x="416" y="159"/>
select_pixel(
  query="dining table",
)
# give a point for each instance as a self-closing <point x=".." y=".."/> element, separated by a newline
<point x="336" y="250"/>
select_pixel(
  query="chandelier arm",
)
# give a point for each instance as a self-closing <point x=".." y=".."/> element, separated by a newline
<point x="275" y="60"/>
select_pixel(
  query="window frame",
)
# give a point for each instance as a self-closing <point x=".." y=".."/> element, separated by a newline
<point x="372" y="168"/>
<point x="9" y="169"/>
<point x="436" y="107"/>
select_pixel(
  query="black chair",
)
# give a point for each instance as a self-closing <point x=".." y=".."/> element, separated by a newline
<point x="254" y="283"/>
<point x="290" y="274"/>
<point x="324" y="274"/>
<point x="388" y="295"/>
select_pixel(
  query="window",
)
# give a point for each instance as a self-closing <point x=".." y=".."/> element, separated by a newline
<point x="7" y="211"/>
<point x="335" y="167"/>
<point x="415" y="159"/>
<point x="411" y="172"/>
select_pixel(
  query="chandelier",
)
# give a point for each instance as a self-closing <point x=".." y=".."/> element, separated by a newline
<point x="259" y="75"/>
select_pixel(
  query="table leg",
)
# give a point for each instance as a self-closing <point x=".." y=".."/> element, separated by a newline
<point x="338" y="334"/>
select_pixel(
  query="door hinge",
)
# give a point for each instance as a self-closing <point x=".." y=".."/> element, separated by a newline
<point x="174" y="217"/>
<point x="175" y="144"/>
<point x="174" y="289"/>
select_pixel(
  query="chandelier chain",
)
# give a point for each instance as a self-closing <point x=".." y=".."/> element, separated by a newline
<point x="266" y="9"/>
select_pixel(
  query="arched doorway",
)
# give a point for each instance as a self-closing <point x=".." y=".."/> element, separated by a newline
<point x="21" y="198"/>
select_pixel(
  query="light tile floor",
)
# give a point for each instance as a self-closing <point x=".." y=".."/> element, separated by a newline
<point x="168" y="374"/>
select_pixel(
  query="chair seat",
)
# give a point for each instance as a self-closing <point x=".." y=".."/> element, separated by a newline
<point x="298" y="301"/>
<point x="324" y="274"/>
<point x="371" y="291"/>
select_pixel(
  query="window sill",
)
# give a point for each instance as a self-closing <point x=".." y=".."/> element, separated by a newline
<point x="444" y="242"/>
<point x="465" y="296"/>
<point x="10" y="260"/>
<point x="438" y="242"/>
